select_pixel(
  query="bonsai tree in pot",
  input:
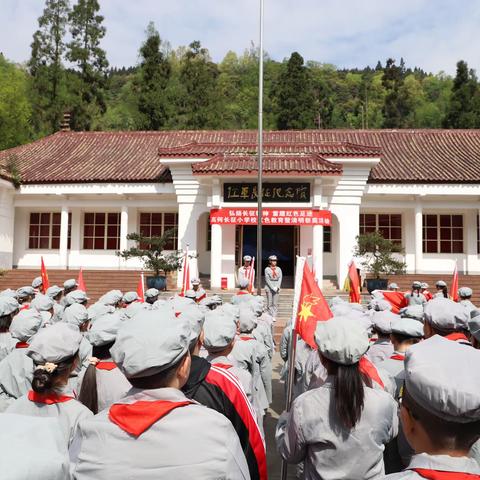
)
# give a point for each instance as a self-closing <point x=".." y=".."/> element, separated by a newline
<point x="151" y="250"/>
<point x="377" y="257"/>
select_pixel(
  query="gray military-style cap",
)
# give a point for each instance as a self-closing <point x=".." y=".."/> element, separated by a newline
<point x="247" y="258"/>
<point x="53" y="291"/>
<point x="465" y="292"/>
<point x="392" y="286"/>
<point x="196" y="318"/>
<point x="219" y="331"/>
<point x="247" y="319"/>
<point x="111" y="298"/>
<point x="408" y="327"/>
<point x="341" y="340"/>
<point x="243" y="282"/>
<point x="130" y="297"/>
<point x="104" y="330"/>
<point x="440" y="284"/>
<point x="379" y="304"/>
<point x="24" y="292"/>
<point x="9" y="293"/>
<point x="70" y="283"/>
<point x="272" y="257"/>
<point x="424" y="285"/>
<point x="8" y="305"/>
<point x="413" y="311"/>
<point x="443" y="377"/>
<point x="42" y="303"/>
<point x="382" y="323"/>
<point x="474" y="324"/>
<point x="151" y="293"/>
<point x="417" y="284"/>
<point x="54" y="344"/>
<point x="195" y="281"/>
<point x="446" y="315"/>
<point x="26" y="324"/>
<point x="150" y="344"/>
<point x="75" y="314"/>
<point x="191" y="294"/>
<point x="77" y="296"/>
<point x="36" y="282"/>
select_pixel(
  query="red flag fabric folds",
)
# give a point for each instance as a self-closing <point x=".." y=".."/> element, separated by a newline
<point x="81" y="281"/>
<point x="141" y="289"/>
<point x="44" y="275"/>
<point x="354" y="283"/>
<point x="396" y="299"/>
<point x="454" y="286"/>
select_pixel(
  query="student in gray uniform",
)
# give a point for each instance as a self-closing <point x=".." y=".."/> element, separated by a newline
<point x="8" y="309"/>
<point x="440" y="410"/>
<point x="446" y="318"/>
<point x="243" y="295"/>
<point x="339" y="429"/>
<point x="273" y="283"/>
<point x="102" y="383"/>
<point x="245" y="271"/>
<point x="414" y="297"/>
<point x="465" y="294"/>
<point x="393" y="287"/>
<point x="54" y="351"/>
<point x="156" y="432"/>
<point x="151" y="296"/>
<point x="442" y="290"/>
<point x="56" y="294"/>
<point x="37" y="285"/>
<point x="200" y="293"/>
<point x="382" y="348"/>
<point x="25" y="296"/>
<point x="405" y="333"/>
<point x="474" y="327"/>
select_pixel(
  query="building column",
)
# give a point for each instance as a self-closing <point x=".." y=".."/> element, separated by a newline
<point x="418" y="236"/>
<point x="318" y="253"/>
<point x="216" y="256"/>
<point x="123" y="233"/>
<point x="470" y="235"/>
<point x="63" y="250"/>
<point x="7" y="220"/>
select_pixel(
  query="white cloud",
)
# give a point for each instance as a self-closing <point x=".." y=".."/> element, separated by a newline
<point x="432" y="34"/>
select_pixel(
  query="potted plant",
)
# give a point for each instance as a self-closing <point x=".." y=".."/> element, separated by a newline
<point x="151" y="250"/>
<point x="377" y="256"/>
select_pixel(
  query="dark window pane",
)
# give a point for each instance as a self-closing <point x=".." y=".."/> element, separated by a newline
<point x="457" y="221"/>
<point x="55" y="242"/>
<point x="99" y="243"/>
<point x="99" y="218"/>
<point x="32" y="242"/>
<point x="112" y="244"/>
<point x="44" y="230"/>
<point x="445" y="220"/>
<point x="156" y="219"/>
<point x="385" y="232"/>
<point x="430" y="220"/>
<point x="89" y="219"/>
<point x="170" y="245"/>
<point x="99" y="230"/>
<point x="69" y="243"/>
<point x="156" y="230"/>
<point x="457" y="247"/>
<point x="145" y="230"/>
<point x="43" y="243"/>
<point x="396" y="220"/>
<point x="170" y="218"/>
<point x="45" y="218"/>
<point x="88" y="243"/>
<point x="383" y="220"/>
<point x="396" y="233"/>
<point x="431" y="247"/>
<point x="113" y="218"/>
<point x="370" y="220"/>
<point x="445" y="233"/>
<point x="431" y="233"/>
<point x="55" y="230"/>
<point x="56" y="218"/>
<point x="34" y="229"/>
<point x="445" y="247"/>
<point x="457" y="233"/>
<point x="112" y="231"/>
<point x="34" y="218"/>
<point x="144" y="218"/>
<point x="88" y="230"/>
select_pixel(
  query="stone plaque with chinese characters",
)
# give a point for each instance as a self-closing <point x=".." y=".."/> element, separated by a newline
<point x="272" y="192"/>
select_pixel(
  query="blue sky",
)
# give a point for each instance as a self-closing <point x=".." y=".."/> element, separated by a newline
<point x="432" y="34"/>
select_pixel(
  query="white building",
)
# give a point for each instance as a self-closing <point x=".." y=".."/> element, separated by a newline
<point x="82" y="192"/>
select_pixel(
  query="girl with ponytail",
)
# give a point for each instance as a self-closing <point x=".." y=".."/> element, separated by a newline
<point x="340" y="428"/>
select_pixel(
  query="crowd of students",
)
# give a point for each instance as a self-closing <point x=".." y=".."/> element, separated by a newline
<point x="173" y="388"/>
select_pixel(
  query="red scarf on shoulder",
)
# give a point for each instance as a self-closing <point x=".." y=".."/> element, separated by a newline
<point x="442" y="475"/>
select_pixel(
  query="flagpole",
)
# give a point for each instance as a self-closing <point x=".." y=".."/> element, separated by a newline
<point x="260" y="154"/>
<point x="293" y="346"/>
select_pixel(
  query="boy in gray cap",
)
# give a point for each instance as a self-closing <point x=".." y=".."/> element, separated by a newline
<point x="242" y="295"/>
<point x="382" y="348"/>
<point x="393" y="287"/>
<point x="37" y="284"/>
<point x="151" y="296"/>
<point x="273" y="283"/>
<point x="152" y="352"/>
<point x="25" y="296"/>
<point x="200" y="293"/>
<point x="465" y="294"/>
<point x="414" y="297"/>
<point x="246" y="271"/>
<point x="69" y="286"/>
<point x="8" y="309"/>
<point x="474" y="327"/>
<point x="440" y="410"/>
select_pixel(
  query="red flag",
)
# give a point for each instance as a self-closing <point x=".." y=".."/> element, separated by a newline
<point x="312" y="308"/>
<point x="354" y="283"/>
<point x="454" y="286"/>
<point x="186" y="274"/>
<point x="44" y="275"/>
<point x="396" y="299"/>
<point x="141" y="288"/>
<point x="81" y="282"/>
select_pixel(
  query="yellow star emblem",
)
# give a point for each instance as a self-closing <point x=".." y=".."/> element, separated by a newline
<point x="305" y="312"/>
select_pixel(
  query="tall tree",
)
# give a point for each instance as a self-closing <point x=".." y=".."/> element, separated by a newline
<point x="464" y="109"/>
<point x="153" y="76"/>
<point x="198" y="102"/>
<point x="396" y="107"/>
<point x="46" y="67"/>
<point x="88" y="81"/>
<point x="295" y="96"/>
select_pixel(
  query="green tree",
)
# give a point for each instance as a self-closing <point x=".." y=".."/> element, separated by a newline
<point x="464" y="111"/>
<point x="153" y="76"/>
<point x="395" y="109"/>
<point x="89" y="77"/>
<point x="295" y="96"/>
<point x="46" y="66"/>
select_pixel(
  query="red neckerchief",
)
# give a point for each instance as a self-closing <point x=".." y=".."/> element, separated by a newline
<point x="25" y="307"/>
<point x="456" y="336"/>
<point x="247" y="338"/>
<point x="368" y="368"/>
<point x="241" y="292"/>
<point x="48" y="398"/>
<point x="22" y="345"/>
<point x="372" y="340"/>
<point x="274" y="273"/>
<point x="135" y="418"/>
<point x="225" y="366"/>
<point x="106" y="365"/>
<point x="199" y="299"/>
<point x="397" y="356"/>
<point x="442" y="475"/>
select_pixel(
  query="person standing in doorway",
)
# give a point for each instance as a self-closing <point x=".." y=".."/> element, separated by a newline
<point x="246" y="272"/>
<point x="273" y="282"/>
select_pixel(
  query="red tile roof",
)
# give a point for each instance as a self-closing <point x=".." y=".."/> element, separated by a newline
<point x="422" y="156"/>
<point x="222" y="164"/>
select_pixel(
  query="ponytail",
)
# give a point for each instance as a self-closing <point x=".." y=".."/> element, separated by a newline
<point x="349" y="394"/>
<point x="445" y="292"/>
<point x="49" y="377"/>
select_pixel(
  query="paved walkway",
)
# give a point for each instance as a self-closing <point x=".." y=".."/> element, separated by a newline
<point x="277" y="407"/>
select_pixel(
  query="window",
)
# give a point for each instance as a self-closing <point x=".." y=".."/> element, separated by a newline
<point x="442" y="233"/>
<point x="209" y="235"/>
<point x="389" y="225"/>
<point x="327" y="239"/>
<point x="101" y="231"/>
<point x="156" y="224"/>
<point x="44" y="231"/>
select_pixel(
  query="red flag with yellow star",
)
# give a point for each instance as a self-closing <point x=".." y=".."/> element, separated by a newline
<point x="312" y="308"/>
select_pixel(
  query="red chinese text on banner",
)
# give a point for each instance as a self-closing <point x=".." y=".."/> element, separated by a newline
<point x="270" y="216"/>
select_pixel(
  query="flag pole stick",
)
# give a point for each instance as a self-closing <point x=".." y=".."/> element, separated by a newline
<point x="293" y="347"/>
<point x="260" y="154"/>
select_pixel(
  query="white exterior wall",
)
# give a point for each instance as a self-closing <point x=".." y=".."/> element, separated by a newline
<point x="7" y="219"/>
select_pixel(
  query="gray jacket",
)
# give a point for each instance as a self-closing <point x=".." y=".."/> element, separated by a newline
<point x="189" y="442"/>
<point x="311" y="432"/>
<point x="273" y="282"/>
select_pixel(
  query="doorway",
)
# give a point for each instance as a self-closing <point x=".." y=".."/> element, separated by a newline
<point x="282" y="241"/>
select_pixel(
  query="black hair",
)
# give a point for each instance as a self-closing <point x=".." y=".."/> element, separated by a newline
<point x="444" y="291"/>
<point x="405" y="338"/>
<point x="158" y="380"/>
<point x="349" y="393"/>
<point x="380" y="333"/>
<point x="443" y="434"/>
<point x="88" y="392"/>
<point x="5" y="322"/>
<point x="44" y="382"/>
